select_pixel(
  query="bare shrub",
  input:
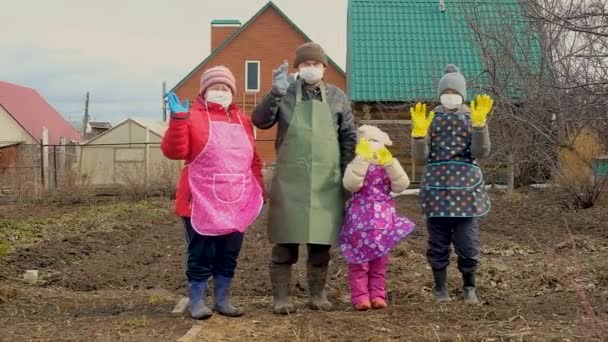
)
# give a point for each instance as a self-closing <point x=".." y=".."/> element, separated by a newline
<point x="133" y="182"/>
<point x="546" y="64"/>
<point x="165" y="177"/>
<point x="574" y="172"/>
<point x="73" y="188"/>
<point x="22" y="184"/>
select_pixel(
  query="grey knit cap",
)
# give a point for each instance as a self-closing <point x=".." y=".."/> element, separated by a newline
<point x="454" y="80"/>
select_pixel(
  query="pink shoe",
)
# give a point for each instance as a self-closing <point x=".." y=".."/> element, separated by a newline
<point x="379" y="303"/>
<point x="363" y="305"/>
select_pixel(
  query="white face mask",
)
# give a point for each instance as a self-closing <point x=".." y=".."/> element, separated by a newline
<point x="451" y="101"/>
<point x="312" y="75"/>
<point x="220" y="97"/>
<point x="375" y="145"/>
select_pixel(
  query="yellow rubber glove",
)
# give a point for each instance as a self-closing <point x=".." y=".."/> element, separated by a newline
<point x="364" y="150"/>
<point x="384" y="156"/>
<point x="480" y="109"/>
<point x="421" y="122"/>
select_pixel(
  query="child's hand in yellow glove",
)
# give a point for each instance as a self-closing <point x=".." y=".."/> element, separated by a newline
<point x="480" y="109"/>
<point x="384" y="156"/>
<point x="364" y="150"/>
<point x="421" y="122"/>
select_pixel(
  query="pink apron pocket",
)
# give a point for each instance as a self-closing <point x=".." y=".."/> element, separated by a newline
<point x="228" y="188"/>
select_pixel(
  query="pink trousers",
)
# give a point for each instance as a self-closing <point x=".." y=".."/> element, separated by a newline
<point x="368" y="281"/>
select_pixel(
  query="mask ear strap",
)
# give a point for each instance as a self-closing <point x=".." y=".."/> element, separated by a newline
<point x="323" y="91"/>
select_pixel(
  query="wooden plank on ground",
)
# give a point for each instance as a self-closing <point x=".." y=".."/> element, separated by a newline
<point x="191" y="334"/>
<point x="181" y="306"/>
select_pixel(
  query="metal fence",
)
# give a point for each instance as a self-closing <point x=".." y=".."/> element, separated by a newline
<point x="35" y="165"/>
<point x="134" y="167"/>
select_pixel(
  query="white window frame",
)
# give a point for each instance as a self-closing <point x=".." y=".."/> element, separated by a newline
<point x="257" y="90"/>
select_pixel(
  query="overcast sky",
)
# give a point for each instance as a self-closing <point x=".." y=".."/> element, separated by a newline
<point x="122" y="50"/>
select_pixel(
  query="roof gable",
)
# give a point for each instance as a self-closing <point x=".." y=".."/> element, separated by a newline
<point x="155" y="126"/>
<point x="233" y="36"/>
<point x="397" y="49"/>
<point x="33" y="112"/>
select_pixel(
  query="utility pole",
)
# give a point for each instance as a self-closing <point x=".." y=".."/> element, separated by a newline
<point x="85" y="119"/>
<point x="164" y="103"/>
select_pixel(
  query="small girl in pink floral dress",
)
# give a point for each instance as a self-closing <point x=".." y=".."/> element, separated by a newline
<point x="371" y="225"/>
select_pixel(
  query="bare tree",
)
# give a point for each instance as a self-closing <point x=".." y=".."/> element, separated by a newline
<point x="546" y="62"/>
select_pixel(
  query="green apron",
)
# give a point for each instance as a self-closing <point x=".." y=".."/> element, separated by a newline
<point x="307" y="198"/>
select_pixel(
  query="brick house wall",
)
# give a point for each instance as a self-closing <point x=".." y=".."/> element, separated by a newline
<point x="270" y="39"/>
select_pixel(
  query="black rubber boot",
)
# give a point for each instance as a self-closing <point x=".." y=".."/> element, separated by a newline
<point x="441" y="292"/>
<point x="468" y="289"/>
<point x="317" y="276"/>
<point x="280" y="277"/>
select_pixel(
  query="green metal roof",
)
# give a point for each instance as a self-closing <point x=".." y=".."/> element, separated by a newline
<point x="397" y="49"/>
<point x="226" y="22"/>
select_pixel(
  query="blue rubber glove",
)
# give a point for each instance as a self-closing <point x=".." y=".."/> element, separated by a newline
<point x="280" y="79"/>
<point x="175" y="106"/>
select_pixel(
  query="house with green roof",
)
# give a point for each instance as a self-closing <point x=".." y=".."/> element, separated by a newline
<point x="397" y="49"/>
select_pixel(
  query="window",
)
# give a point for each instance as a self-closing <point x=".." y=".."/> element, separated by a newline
<point x="252" y="76"/>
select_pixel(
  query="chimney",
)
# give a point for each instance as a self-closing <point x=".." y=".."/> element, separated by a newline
<point x="221" y="30"/>
<point x="442" y="5"/>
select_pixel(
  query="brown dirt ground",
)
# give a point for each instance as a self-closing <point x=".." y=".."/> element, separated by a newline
<point x="113" y="272"/>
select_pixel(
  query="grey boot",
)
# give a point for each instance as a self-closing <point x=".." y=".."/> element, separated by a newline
<point x="468" y="289"/>
<point x="317" y="276"/>
<point x="221" y="292"/>
<point x="197" y="291"/>
<point x="280" y="277"/>
<point x="441" y="292"/>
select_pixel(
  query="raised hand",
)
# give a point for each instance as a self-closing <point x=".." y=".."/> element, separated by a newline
<point x="364" y="150"/>
<point x="384" y="156"/>
<point x="421" y="122"/>
<point x="480" y="109"/>
<point x="280" y="79"/>
<point x="174" y="105"/>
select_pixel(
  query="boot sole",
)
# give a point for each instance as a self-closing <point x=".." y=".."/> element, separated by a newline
<point x="229" y="314"/>
<point x="471" y="302"/>
<point x="203" y="317"/>
<point x="443" y="300"/>
<point x="320" y="307"/>
<point x="284" y="310"/>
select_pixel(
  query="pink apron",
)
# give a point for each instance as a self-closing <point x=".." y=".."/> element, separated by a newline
<point x="226" y="196"/>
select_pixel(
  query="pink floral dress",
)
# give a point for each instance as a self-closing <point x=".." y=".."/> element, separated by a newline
<point x="371" y="225"/>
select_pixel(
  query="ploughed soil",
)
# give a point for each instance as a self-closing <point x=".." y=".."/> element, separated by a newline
<point x="114" y="271"/>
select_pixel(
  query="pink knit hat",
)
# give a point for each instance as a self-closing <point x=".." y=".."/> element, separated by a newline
<point x="215" y="75"/>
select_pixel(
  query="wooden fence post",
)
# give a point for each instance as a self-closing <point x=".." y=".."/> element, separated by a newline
<point x="44" y="142"/>
<point x="62" y="150"/>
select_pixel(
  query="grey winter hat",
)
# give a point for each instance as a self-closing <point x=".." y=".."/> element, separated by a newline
<point x="454" y="80"/>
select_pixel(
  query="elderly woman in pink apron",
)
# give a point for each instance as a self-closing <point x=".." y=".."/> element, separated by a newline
<point x="220" y="192"/>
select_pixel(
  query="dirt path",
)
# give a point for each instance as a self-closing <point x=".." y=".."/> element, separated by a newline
<point x="113" y="272"/>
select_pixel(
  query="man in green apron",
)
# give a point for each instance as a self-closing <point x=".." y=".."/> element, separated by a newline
<point x="316" y="140"/>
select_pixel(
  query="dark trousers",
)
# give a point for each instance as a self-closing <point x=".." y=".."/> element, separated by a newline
<point x="288" y="253"/>
<point x="463" y="232"/>
<point x="211" y="255"/>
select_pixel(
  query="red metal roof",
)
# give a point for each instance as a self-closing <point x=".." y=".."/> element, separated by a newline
<point x="33" y="113"/>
